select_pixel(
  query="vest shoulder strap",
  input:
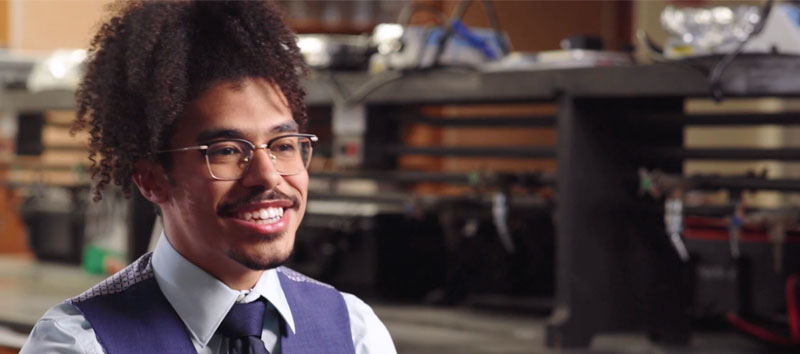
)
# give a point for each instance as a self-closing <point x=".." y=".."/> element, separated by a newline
<point x="320" y="314"/>
<point x="130" y="314"/>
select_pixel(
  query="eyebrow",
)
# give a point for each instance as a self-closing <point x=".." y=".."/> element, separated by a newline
<point x="213" y="134"/>
<point x="288" y="127"/>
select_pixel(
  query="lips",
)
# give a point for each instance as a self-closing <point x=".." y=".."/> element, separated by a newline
<point x="262" y="216"/>
<point x="267" y="218"/>
<point x="263" y="213"/>
<point x="255" y="203"/>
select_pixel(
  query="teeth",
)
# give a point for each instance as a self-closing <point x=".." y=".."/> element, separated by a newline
<point x="262" y="216"/>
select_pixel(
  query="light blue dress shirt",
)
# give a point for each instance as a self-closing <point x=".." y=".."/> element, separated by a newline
<point x="201" y="302"/>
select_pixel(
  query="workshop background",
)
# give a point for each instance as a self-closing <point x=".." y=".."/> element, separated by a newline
<point x="493" y="176"/>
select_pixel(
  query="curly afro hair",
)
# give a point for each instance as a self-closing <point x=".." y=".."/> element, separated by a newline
<point x="151" y="58"/>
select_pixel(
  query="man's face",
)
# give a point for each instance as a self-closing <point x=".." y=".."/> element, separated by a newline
<point x="212" y="222"/>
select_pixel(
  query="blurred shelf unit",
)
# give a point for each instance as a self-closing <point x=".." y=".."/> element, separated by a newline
<point x="44" y="151"/>
<point x="616" y="269"/>
<point x="24" y="101"/>
<point x="351" y="17"/>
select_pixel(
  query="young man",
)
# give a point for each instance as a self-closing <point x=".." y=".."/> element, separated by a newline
<point x="199" y="105"/>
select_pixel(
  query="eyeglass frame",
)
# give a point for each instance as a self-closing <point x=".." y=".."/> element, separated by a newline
<point x="253" y="147"/>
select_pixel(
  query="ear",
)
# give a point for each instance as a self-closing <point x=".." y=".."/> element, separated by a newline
<point x="152" y="181"/>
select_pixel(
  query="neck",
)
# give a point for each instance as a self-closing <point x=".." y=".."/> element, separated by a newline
<point x="235" y="275"/>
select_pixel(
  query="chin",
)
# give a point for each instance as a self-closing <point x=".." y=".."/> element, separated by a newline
<point x="271" y="255"/>
<point x="256" y="264"/>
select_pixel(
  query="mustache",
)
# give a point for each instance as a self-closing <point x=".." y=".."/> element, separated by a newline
<point x="227" y="208"/>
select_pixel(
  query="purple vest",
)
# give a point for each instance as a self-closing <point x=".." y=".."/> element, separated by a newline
<point x="130" y="315"/>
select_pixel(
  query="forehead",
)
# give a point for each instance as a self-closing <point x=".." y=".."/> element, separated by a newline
<point x="252" y="108"/>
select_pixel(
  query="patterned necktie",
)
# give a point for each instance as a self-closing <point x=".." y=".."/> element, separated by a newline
<point x="242" y="326"/>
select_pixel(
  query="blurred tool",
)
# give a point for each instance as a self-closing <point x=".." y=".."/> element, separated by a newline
<point x="500" y="218"/>
<point x="456" y="27"/>
<point x="777" y="235"/>
<point x="419" y="48"/>
<point x="673" y="219"/>
<point x="658" y="184"/>
<point x="776" y="222"/>
<point x="735" y="226"/>
<point x="401" y="46"/>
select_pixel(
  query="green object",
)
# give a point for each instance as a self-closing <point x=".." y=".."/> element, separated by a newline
<point x="474" y="178"/>
<point x="95" y="258"/>
<point x="645" y="184"/>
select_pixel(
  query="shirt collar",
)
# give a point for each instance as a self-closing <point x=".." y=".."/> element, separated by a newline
<point x="201" y="300"/>
<point x="269" y="286"/>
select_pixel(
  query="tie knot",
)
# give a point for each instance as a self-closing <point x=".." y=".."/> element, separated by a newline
<point x="244" y="320"/>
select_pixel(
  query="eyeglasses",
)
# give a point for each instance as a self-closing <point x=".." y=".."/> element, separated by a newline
<point x="229" y="160"/>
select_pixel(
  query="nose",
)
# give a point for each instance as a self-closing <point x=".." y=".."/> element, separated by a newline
<point x="262" y="171"/>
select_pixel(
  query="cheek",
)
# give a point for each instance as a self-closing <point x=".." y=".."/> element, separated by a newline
<point x="299" y="183"/>
<point x="199" y="196"/>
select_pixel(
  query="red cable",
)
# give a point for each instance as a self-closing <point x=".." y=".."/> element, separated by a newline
<point x="759" y="332"/>
<point x="791" y="306"/>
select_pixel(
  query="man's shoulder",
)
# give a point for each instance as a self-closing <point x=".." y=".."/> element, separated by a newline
<point x="297" y="277"/>
<point x="62" y="329"/>
<point x="135" y="273"/>
<point x="352" y="302"/>
<point x="355" y="307"/>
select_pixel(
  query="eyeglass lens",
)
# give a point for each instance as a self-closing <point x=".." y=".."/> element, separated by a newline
<point x="230" y="159"/>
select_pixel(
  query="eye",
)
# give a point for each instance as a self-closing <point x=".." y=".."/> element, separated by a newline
<point x="283" y="147"/>
<point x="224" y="150"/>
<point x="228" y="150"/>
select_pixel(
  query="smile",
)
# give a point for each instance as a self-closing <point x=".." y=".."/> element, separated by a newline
<point x="265" y="218"/>
<point x="262" y="216"/>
